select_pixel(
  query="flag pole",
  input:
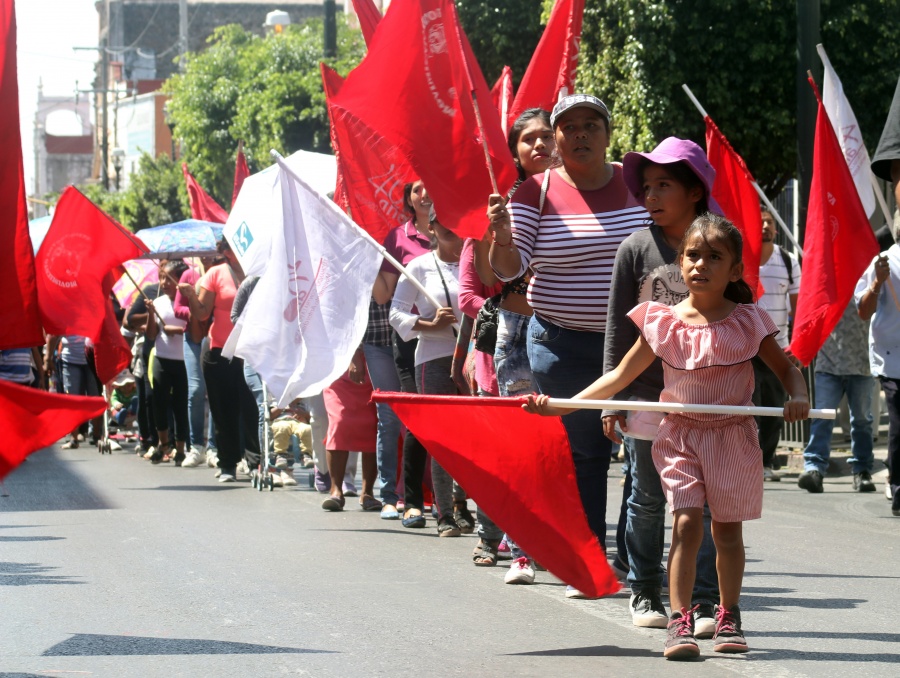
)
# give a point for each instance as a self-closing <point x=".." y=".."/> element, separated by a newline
<point x="362" y="234"/>
<point x="644" y="406"/>
<point x="141" y="292"/>
<point x="759" y="191"/>
<point x="478" y="120"/>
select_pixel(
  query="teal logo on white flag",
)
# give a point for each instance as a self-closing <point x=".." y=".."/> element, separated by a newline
<point x="242" y="239"/>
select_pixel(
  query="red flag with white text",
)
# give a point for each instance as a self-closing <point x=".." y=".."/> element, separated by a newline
<point x="838" y="247"/>
<point x="82" y="247"/>
<point x="551" y="72"/>
<point x="413" y="89"/>
<point x="21" y="326"/>
<point x="111" y="351"/>
<point x="518" y="468"/>
<point x="369" y="18"/>
<point x="502" y="95"/>
<point x="203" y="207"/>
<point x="32" y="419"/>
<point x="371" y="171"/>
<point x="733" y="190"/>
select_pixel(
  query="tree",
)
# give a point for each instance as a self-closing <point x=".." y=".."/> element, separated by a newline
<point x="265" y="91"/>
<point x="502" y="33"/>
<point x="156" y="194"/>
<point x="739" y="59"/>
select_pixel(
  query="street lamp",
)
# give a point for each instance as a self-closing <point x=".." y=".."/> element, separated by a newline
<point x="276" y="20"/>
<point x="118" y="160"/>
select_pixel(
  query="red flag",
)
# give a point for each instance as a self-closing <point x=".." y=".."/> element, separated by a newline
<point x="203" y="207"/>
<point x="551" y="72"/>
<point x="81" y="248"/>
<point x="31" y="419"/>
<point x="414" y="89"/>
<point x="21" y="326"/>
<point x="838" y="247"/>
<point x="517" y="467"/>
<point x="111" y="351"/>
<point x="241" y="172"/>
<point x="369" y="18"/>
<point x="502" y="94"/>
<point x="733" y="190"/>
<point x="371" y="171"/>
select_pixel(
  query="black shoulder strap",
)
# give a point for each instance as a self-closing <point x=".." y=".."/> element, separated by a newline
<point x="788" y="264"/>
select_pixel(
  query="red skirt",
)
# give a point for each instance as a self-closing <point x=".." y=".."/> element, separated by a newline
<point x="352" y="417"/>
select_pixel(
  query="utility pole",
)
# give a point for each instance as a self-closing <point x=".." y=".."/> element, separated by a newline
<point x="104" y="110"/>
<point x="808" y="36"/>
<point x="330" y="29"/>
<point x="182" y="34"/>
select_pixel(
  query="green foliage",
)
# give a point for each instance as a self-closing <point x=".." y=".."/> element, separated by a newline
<point x="264" y="91"/>
<point x="156" y="194"/>
<point x="111" y="203"/>
<point x="502" y="33"/>
<point x="739" y="59"/>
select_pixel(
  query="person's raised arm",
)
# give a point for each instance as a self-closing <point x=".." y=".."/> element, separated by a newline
<point x="504" y="256"/>
<point x="868" y="302"/>
<point x="201" y="304"/>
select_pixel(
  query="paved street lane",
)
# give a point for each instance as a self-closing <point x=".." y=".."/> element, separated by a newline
<point x="112" y="567"/>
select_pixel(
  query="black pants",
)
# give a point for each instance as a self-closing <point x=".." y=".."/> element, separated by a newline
<point x="232" y="407"/>
<point x="415" y="456"/>
<point x="145" y="412"/>
<point x="170" y="391"/>
<point x="768" y="392"/>
<point x="891" y="388"/>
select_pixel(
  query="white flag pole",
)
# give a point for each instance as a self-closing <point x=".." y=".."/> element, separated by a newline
<point x="888" y="217"/>
<point x="364" y="235"/>
<point x="759" y="191"/>
<point x="643" y="406"/>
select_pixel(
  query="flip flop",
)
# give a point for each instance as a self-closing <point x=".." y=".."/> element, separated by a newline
<point x="333" y="503"/>
<point x="369" y="503"/>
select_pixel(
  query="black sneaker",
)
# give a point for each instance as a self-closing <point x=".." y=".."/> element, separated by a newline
<point x="862" y="482"/>
<point x="895" y="504"/>
<point x="811" y="481"/>
<point x="704" y="620"/>
<point x="729" y="637"/>
<point x="647" y="610"/>
<point x="680" y="641"/>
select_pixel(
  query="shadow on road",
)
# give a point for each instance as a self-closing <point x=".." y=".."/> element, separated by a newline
<point x="31" y="574"/>
<point x="190" y="488"/>
<point x="45" y="483"/>
<point x="591" y="651"/>
<point x="98" y="645"/>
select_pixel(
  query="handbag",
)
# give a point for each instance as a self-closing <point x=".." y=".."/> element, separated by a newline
<point x="486" y="325"/>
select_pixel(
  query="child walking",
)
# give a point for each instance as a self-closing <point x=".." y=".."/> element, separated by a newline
<point x="706" y="343"/>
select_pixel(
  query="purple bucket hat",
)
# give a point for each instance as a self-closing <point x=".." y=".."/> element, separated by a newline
<point x="671" y="150"/>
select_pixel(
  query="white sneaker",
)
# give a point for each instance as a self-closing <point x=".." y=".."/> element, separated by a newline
<point x="277" y="480"/>
<point x="192" y="459"/>
<point x="212" y="459"/>
<point x="888" y="494"/>
<point x="572" y="592"/>
<point x="226" y="478"/>
<point x="287" y="478"/>
<point x="114" y="446"/>
<point x="520" y="572"/>
<point x="281" y="461"/>
<point x="150" y="452"/>
<point x="242" y="467"/>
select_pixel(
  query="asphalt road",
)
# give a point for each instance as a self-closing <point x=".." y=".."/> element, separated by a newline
<point x="112" y="567"/>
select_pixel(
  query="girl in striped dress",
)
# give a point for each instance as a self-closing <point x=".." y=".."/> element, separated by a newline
<point x="705" y="343"/>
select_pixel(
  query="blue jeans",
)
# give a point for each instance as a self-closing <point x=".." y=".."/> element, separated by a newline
<point x="197" y="395"/>
<point x="830" y="388"/>
<point x="563" y="363"/>
<point x="511" y="354"/>
<point x="645" y="530"/>
<point x="383" y="375"/>
<point x="256" y="388"/>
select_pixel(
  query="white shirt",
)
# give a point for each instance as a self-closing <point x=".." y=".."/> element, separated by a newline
<point x="168" y="346"/>
<point x="432" y="344"/>
<point x="778" y="290"/>
<point x="884" y="332"/>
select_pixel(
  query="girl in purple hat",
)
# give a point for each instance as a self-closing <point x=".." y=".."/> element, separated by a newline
<point x="674" y="182"/>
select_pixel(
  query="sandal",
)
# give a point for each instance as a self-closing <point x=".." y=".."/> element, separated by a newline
<point x="463" y="517"/>
<point x="485" y="554"/>
<point x="333" y="503"/>
<point x="369" y="503"/>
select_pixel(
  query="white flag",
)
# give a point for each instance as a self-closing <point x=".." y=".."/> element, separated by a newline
<point x="309" y="310"/>
<point x="847" y="130"/>
<point x="256" y="216"/>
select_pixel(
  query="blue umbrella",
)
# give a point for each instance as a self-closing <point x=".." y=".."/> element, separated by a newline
<point x="189" y="238"/>
<point x="37" y="229"/>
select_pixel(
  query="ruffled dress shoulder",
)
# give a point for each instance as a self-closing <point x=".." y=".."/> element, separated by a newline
<point x="685" y="346"/>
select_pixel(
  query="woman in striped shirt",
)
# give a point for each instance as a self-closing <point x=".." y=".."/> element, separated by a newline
<point x="566" y="225"/>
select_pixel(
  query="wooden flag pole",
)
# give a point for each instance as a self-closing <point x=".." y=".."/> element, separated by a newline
<point x="759" y="191"/>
